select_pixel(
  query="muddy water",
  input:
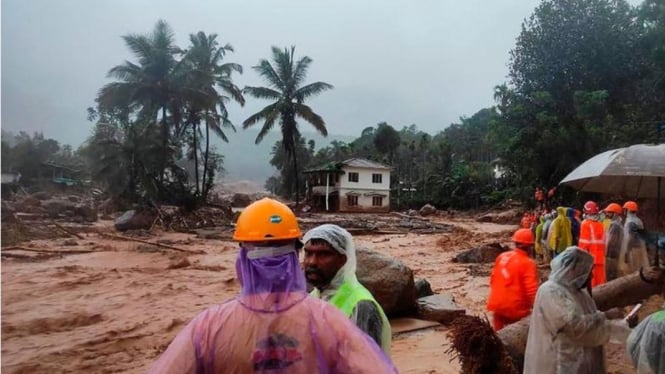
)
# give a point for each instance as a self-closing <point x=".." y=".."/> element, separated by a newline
<point x="116" y="309"/>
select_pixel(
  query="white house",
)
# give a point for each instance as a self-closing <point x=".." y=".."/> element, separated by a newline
<point x="354" y="185"/>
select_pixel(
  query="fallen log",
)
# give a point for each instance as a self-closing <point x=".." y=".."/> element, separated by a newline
<point x="621" y="292"/>
<point x="71" y="252"/>
<point x="67" y="231"/>
<point x="116" y="237"/>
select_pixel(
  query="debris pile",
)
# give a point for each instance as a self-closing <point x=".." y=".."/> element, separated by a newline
<point x="477" y="346"/>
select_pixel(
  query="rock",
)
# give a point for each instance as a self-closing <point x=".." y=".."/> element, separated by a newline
<point x="411" y="212"/>
<point x="70" y="243"/>
<point x="41" y="195"/>
<point x="440" y="308"/>
<point x="427" y="210"/>
<point x="423" y="288"/>
<point x="389" y="280"/>
<point x="483" y="254"/>
<point x="74" y="198"/>
<point x="55" y="207"/>
<point x="29" y="201"/>
<point x="88" y="213"/>
<point x="134" y="220"/>
<point x="240" y="200"/>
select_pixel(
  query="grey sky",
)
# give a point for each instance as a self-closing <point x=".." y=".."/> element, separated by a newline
<point x="426" y="62"/>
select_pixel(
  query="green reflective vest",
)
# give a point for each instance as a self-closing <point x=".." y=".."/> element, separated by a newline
<point x="348" y="295"/>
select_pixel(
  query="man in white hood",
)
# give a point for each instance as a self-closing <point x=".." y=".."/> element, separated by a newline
<point x="330" y="266"/>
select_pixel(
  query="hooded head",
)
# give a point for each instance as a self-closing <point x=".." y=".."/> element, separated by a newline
<point x="330" y="256"/>
<point x="572" y="268"/>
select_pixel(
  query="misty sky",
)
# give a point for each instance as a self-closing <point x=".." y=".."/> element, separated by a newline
<point x="426" y="62"/>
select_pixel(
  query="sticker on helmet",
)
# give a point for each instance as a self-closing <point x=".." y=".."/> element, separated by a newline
<point x="275" y="219"/>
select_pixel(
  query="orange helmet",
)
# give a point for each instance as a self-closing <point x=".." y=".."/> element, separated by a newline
<point x="523" y="236"/>
<point x="266" y="220"/>
<point x="614" y="208"/>
<point x="590" y="207"/>
<point x="630" y="206"/>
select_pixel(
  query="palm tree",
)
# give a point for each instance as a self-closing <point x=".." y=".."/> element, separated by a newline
<point x="206" y="73"/>
<point x="147" y="87"/>
<point x="285" y="81"/>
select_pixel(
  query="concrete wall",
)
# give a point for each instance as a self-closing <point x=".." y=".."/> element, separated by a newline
<point x="365" y="190"/>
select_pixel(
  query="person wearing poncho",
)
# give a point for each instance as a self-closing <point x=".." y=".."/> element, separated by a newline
<point x="273" y="326"/>
<point x="330" y="266"/>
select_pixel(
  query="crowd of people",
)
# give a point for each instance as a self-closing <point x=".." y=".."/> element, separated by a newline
<point x="585" y="249"/>
<point x="275" y="326"/>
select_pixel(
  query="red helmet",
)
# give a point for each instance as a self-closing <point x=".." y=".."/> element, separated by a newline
<point x="590" y="207"/>
<point x="523" y="236"/>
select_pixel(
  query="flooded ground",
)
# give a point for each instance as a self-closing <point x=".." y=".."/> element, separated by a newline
<point x="116" y="308"/>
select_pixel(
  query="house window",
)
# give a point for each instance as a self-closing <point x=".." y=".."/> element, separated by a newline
<point x="353" y="177"/>
<point x="376" y="178"/>
<point x="352" y="200"/>
<point x="377" y="200"/>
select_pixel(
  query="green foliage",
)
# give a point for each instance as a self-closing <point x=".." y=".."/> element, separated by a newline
<point x="148" y="121"/>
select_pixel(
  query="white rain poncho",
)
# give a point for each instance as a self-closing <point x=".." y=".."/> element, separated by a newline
<point x="346" y="292"/>
<point x="646" y="344"/>
<point x="613" y="243"/>
<point x="567" y="332"/>
<point x="633" y="254"/>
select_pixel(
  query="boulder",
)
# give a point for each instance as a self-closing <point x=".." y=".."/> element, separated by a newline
<point x="484" y="254"/>
<point x="41" y="195"/>
<point x="74" y="198"/>
<point x="427" y="210"/>
<point x="440" y="308"/>
<point x="423" y="288"/>
<point x="56" y="207"/>
<point x="240" y="200"/>
<point x="134" y="220"/>
<point x="389" y="280"/>
<point x="88" y="213"/>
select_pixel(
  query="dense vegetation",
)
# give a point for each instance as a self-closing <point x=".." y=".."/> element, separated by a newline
<point x="584" y="76"/>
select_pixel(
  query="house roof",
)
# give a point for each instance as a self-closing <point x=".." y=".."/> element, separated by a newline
<point x="333" y="166"/>
<point x="364" y="163"/>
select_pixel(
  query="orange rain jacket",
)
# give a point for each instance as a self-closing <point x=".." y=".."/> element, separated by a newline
<point x="513" y="285"/>
<point x="592" y="240"/>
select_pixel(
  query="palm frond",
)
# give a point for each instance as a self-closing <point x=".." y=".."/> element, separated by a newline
<point x="268" y="73"/>
<point x="267" y="126"/>
<point x="262" y="93"/>
<point x="300" y="71"/>
<point x="305" y="112"/>
<point x="312" y="89"/>
<point x="264" y="113"/>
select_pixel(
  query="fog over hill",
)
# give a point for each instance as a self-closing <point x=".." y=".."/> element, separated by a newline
<point x="244" y="160"/>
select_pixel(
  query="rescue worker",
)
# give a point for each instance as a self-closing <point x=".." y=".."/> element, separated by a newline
<point x="646" y="344"/>
<point x="330" y="266"/>
<point x="560" y="236"/>
<point x="592" y="240"/>
<point x="547" y="251"/>
<point x="575" y="223"/>
<point x="566" y="331"/>
<point x="633" y="255"/>
<point x="538" y="241"/>
<point x="273" y="326"/>
<point x="540" y="198"/>
<point x="613" y="240"/>
<point x="513" y="282"/>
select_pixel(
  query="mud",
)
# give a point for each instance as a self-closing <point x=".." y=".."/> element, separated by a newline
<point x="116" y="308"/>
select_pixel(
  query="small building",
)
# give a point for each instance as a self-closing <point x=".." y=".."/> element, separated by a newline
<point x="354" y="185"/>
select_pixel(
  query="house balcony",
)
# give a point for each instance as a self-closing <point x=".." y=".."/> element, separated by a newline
<point x="321" y="190"/>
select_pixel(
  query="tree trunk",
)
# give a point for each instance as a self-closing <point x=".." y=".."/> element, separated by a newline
<point x="205" y="160"/>
<point x="196" y="159"/>
<point x="624" y="291"/>
<point x="295" y="174"/>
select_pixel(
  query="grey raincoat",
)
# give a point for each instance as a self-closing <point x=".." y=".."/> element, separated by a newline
<point x="567" y="332"/>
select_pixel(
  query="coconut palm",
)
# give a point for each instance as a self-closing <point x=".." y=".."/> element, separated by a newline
<point x="286" y="89"/>
<point x="147" y="88"/>
<point x="205" y="75"/>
